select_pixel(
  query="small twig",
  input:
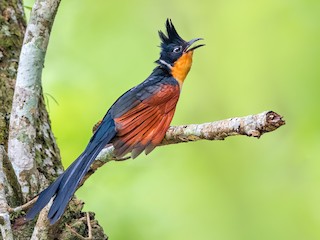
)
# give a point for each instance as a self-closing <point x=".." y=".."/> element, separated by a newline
<point x="74" y="232"/>
<point x="23" y="207"/>
<point x="89" y="227"/>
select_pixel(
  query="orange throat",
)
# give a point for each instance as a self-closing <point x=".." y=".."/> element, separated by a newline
<point x="181" y="67"/>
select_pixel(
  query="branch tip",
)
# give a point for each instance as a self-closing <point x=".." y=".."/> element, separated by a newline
<point x="274" y="120"/>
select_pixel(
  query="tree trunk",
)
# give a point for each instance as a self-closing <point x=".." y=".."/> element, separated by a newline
<point x="17" y="184"/>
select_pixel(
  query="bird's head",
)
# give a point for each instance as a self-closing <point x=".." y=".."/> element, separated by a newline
<point x="176" y="53"/>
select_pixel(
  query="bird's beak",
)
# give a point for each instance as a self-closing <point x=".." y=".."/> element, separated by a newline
<point x="188" y="49"/>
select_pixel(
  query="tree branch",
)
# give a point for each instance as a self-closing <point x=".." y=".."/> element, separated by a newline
<point x="252" y="126"/>
<point x="42" y="227"/>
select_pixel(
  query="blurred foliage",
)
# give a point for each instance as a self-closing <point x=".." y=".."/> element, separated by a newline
<point x="259" y="55"/>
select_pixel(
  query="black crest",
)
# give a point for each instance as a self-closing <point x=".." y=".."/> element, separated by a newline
<point x="172" y="35"/>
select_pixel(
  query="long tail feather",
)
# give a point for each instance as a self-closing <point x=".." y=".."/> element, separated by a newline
<point x="66" y="184"/>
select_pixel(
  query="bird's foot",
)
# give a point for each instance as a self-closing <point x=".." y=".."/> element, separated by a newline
<point x="121" y="159"/>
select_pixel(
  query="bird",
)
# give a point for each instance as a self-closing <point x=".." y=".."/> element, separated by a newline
<point x="136" y="122"/>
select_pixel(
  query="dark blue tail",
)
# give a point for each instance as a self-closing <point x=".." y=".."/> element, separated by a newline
<point x="66" y="184"/>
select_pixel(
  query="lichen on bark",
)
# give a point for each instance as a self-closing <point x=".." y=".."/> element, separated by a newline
<point x="12" y="28"/>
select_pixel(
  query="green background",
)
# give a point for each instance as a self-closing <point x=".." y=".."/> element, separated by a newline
<point x="259" y="55"/>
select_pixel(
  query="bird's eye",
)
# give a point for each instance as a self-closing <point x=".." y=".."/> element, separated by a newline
<point x="177" y="49"/>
